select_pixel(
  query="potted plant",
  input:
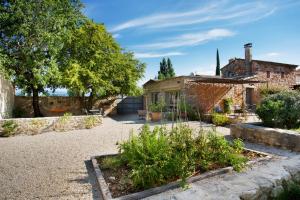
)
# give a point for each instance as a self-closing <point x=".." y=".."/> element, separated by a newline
<point x="156" y="110"/>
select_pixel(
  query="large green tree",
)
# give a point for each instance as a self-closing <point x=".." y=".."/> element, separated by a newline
<point x="218" y="68"/>
<point x="166" y="69"/>
<point x="95" y="64"/>
<point x="32" y="34"/>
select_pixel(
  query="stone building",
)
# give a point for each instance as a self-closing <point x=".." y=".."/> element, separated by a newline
<point x="240" y="81"/>
<point x="7" y="93"/>
<point x="274" y="74"/>
<point x="203" y="93"/>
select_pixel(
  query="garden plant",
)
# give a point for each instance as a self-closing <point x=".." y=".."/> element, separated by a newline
<point x="156" y="157"/>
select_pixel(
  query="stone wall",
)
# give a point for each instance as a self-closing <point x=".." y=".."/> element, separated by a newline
<point x="7" y="93"/>
<point x="57" y="106"/>
<point x="281" y="138"/>
<point x="33" y="126"/>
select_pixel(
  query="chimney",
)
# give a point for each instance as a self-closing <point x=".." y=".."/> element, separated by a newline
<point x="248" y="57"/>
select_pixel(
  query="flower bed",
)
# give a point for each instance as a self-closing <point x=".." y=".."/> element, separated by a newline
<point x="159" y="160"/>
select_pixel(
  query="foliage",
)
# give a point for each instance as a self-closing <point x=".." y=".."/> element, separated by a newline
<point x="157" y="107"/>
<point x="158" y="156"/>
<point x="227" y="105"/>
<point x="219" y="119"/>
<point x="111" y="162"/>
<point x="91" y="121"/>
<point x="63" y="122"/>
<point x="9" y="128"/>
<point x="269" y="90"/>
<point x="218" y="68"/>
<point x="166" y="69"/>
<point x="191" y="113"/>
<point x="291" y="192"/>
<point x="32" y="36"/>
<point x="19" y="112"/>
<point x="280" y="110"/>
<point x="95" y="64"/>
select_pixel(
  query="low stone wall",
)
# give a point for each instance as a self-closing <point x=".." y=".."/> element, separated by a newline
<point x="281" y="138"/>
<point x="33" y="126"/>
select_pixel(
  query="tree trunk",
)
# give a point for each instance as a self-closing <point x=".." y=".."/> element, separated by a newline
<point x="35" y="103"/>
<point x="90" y="101"/>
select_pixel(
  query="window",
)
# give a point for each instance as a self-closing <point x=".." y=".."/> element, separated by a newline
<point x="172" y="98"/>
<point x="282" y="74"/>
<point x="154" y="97"/>
<point x="268" y="74"/>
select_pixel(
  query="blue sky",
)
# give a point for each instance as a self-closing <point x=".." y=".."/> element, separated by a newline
<point x="190" y="31"/>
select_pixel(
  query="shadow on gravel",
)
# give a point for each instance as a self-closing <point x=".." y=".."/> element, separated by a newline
<point x="91" y="179"/>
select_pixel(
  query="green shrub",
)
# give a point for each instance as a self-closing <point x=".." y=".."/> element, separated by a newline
<point x="228" y="105"/>
<point x="9" y="128"/>
<point x="158" y="156"/>
<point x="19" y="112"/>
<point x="91" y="121"/>
<point x="280" y="110"/>
<point x="157" y="107"/>
<point x="191" y="113"/>
<point x="266" y="91"/>
<point x="291" y="192"/>
<point x="219" y="119"/>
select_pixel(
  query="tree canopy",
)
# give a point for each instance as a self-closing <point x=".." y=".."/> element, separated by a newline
<point x="51" y="44"/>
<point x="95" y="64"/>
<point x="218" y="68"/>
<point x="32" y="35"/>
<point x="166" y="69"/>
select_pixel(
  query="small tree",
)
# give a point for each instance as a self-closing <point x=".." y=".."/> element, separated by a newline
<point x="166" y="69"/>
<point x="218" y="69"/>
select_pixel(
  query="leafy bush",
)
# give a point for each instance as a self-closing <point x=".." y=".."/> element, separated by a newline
<point x="158" y="156"/>
<point x="291" y="192"/>
<point x="219" y="119"/>
<point x="91" y="121"/>
<point x="157" y="107"/>
<point x="280" y="110"/>
<point x="19" y="112"/>
<point x="9" y="128"/>
<point x="227" y="105"/>
<point x="191" y="113"/>
<point x="266" y="91"/>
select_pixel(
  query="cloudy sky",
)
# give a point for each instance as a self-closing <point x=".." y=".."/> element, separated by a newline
<point x="190" y="31"/>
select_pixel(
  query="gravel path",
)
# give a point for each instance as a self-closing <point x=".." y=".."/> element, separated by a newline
<point x="56" y="165"/>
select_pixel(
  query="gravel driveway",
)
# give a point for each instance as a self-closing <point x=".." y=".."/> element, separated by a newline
<point x="56" y="165"/>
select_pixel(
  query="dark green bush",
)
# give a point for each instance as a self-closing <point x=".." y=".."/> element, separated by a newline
<point x="280" y="110"/>
<point x="219" y="119"/>
<point x="291" y="192"/>
<point x="9" y="128"/>
<point x="158" y="156"/>
<point x="19" y="112"/>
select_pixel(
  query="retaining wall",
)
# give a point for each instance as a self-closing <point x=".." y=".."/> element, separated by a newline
<point x="281" y="138"/>
<point x="33" y="126"/>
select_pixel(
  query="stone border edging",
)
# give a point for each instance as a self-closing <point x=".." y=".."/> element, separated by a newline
<point x="104" y="189"/>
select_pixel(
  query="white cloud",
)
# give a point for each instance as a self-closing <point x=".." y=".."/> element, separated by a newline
<point x="116" y="35"/>
<point x="157" y="55"/>
<point x="190" y="39"/>
<point x="218" y="11"/>
<point x="272" y="54"/>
